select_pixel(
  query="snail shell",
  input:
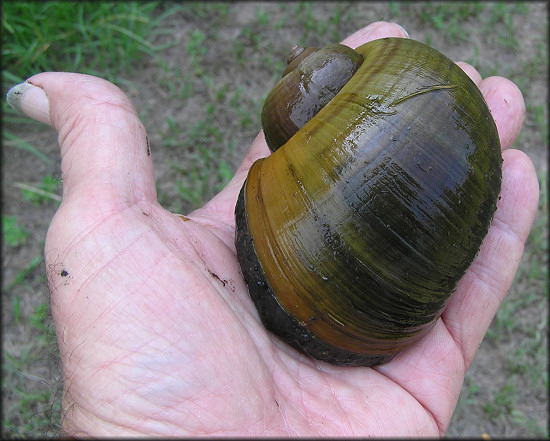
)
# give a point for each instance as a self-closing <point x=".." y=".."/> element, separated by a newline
<point x="353" y="235"/>
<point x="312" y="78"/>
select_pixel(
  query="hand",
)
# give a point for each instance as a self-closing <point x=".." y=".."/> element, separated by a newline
<point x="156" y="330"/>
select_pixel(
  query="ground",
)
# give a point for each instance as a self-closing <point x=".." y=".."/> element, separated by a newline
<point x="200" y="99"/>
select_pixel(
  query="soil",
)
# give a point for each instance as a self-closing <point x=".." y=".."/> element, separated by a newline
<point x="243" y="57"/>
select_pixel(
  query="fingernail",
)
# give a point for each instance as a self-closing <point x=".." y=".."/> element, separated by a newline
<point x="402" y="28"/>
<point x="30" y="100"/>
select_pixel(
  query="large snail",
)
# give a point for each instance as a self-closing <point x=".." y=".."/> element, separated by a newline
<point x="354" y="233"/>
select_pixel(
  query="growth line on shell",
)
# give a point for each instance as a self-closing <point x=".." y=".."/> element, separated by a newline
<point x="426" y="90"/>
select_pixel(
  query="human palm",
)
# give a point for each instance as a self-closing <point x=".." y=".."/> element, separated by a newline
<point x="156" y="330"/>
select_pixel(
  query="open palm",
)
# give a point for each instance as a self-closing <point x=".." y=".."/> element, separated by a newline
<point x="156" y="330"/>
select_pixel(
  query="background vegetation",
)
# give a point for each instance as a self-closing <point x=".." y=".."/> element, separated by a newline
<point x="197" y="74"/>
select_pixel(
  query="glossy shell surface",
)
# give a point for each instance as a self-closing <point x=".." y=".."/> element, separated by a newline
<point x="305" y="88"/>
<point x="353" y="234"/>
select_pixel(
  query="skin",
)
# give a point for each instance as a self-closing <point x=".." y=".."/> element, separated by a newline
<point x="156" y="330"/>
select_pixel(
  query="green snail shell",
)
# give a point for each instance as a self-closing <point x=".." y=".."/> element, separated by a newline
<point x="306" y="87"/>
<point x="353" y="235"/>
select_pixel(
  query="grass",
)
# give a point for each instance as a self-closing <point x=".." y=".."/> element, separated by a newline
<point x="11" y="140"/>
<point x="120" y="40"/>
<point x="34" y="406"/>
<point x="312" y="24"/>
<point x="43" y="192"/>
<point x="197" y="49"/>
<point x="450" y="17"/>
<point x="13" y="233"/>
<point x="100" y="38"/>
<point x="20" y="277"/>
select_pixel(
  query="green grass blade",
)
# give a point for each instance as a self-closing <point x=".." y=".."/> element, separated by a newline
<point x="17" y="142"/>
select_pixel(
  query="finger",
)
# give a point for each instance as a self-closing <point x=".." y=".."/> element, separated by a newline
<point x="219" y="213"/>
<point x="505" y="101"/>
<point x="104" y="147"/>
<point x="257" y="150"/>
<point x="471" y="71"/>
<point x="374" y="31"/>
<point x="433" y="370"/>
<point x="480" y="292"/>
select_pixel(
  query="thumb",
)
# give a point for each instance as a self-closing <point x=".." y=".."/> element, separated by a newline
<point x="105" y="153"/>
